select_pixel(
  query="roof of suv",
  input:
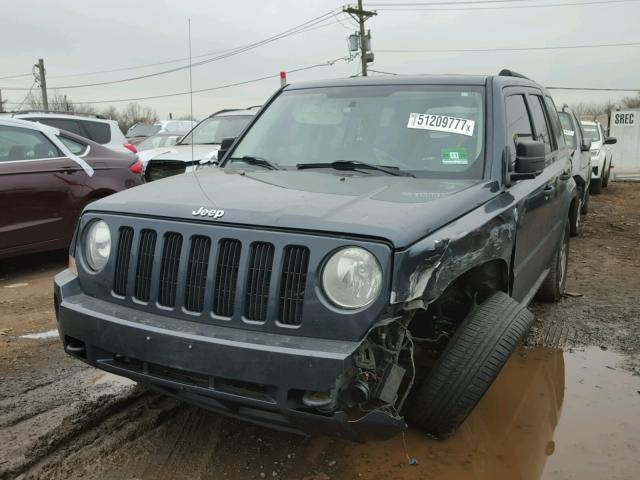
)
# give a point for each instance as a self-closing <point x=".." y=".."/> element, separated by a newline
<point x="451" y="79"/>
<point x="71" y="116"/>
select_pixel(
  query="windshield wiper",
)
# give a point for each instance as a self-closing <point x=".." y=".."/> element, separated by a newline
<point x="354" y="165"/>
<point x="259" y="161"/>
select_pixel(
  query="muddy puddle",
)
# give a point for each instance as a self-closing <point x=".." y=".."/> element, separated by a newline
<point x="550" y="415"/>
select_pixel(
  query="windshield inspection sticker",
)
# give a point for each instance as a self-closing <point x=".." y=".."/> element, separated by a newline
<point x="571" y="133"/>
<point x="441" y="123"/>
<point x="454" y="156"/>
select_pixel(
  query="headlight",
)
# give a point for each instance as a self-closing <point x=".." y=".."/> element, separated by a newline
<point x="595" y="153"/>
<point x="97" y="245"/>
<point x="352" y="278"/>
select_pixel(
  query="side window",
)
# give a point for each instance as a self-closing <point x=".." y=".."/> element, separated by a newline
<point x="97" y="131"/>
<point x="63" y="124"/>
<point x="555" y="122"/>
<point x="518" y="122"/>
<point x="540" y="121"/>
<point x="569" y="131"/>
<point x="74" y="147"/>
<point x="24" y="144"/>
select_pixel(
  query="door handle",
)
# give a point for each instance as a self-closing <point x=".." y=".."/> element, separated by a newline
<point x="68" y="170"/>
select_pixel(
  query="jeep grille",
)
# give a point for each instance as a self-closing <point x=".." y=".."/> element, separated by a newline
<point x="184" y="277"/>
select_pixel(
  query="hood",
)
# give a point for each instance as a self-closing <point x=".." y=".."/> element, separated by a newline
<point x="401" y="210"/>
<point x="183" y="153"/>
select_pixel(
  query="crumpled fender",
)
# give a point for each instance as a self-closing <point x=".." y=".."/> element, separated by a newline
<point x="425" y="269"/>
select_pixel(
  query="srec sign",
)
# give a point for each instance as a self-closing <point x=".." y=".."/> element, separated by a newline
<point x="624" y="118"/>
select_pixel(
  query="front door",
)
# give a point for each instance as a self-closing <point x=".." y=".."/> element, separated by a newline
<point x="534" y="236"/>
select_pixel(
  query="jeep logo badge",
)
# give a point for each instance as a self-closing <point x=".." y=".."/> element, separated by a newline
<point x="204" y="212"/>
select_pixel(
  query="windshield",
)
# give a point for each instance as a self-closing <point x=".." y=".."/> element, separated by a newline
<point x="567" y="129"/>
<point x="213" y="130"/>
<point x="157" y="141"/>
<point x="591" y="132"/>
<point x="431" y="131"/>
<point x="143" y="130"/>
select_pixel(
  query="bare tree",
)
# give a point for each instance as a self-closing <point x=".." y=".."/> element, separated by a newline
<point x="135" y="113"/>
<point x="631" y="102"/>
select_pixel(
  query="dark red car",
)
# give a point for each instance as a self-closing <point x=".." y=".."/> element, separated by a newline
<point x="47" y="176"/>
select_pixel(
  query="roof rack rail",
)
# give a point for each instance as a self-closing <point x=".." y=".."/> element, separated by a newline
<point x="505" y="72"/>
<point x="61" y="112"/>
<point x="224" y="110"/>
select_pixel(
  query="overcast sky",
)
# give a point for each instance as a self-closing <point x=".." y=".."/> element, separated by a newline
<point x="83" y="36"/>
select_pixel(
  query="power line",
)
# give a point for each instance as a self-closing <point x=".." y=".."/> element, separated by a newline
<point x="511" y="49"/>
<point x="317" y="22"/>
<point x="596" y="89"/>
<point x="500" y="7"/>
<point x="431" y="4"/>
<point x="218" y="87"/>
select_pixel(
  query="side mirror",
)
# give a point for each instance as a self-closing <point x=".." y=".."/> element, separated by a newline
<point x="585" y="147"/>
<point x="530" y="159"/>
<point x="610" y="140"/>
<point x="225" y="145"/>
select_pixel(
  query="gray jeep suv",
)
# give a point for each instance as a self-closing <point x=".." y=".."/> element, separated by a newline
<point x="365" y="252"/>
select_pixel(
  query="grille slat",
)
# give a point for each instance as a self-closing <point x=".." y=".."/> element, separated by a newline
<point x="146" y="252"/>
<point x="292" y="284"/>
<point x="123" y="255"/>
<point x="197" y="273"/>
<point x="226" y="277"/>
<point x="260" y="267"/>
<point x="169" y="269"/>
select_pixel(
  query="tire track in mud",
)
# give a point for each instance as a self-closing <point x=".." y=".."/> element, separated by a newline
<point x="192" y="451"/>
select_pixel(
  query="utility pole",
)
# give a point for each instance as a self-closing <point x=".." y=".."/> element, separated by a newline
<point x="362" y="16"/>
<point x="42" y="79"/>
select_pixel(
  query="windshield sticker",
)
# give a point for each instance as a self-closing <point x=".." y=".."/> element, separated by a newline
<point x="571" y="133"/>
<point x="454" y="156"/>
<point x="441" y="123"/>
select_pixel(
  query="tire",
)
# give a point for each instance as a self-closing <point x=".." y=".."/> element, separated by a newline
<point x="472" y="360"/>
<point x="574" y="215"/>
<point x="553" y="286"/>
<point x="605" y="179"/>
<point x="596" y="186"/>
<point x="585" y="203"/>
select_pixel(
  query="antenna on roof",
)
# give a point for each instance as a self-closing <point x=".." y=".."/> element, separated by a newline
<point x="190" y="89"/>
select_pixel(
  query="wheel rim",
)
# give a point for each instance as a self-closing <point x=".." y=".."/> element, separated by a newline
<point x="563" y="262"/>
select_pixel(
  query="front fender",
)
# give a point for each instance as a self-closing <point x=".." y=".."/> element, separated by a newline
<point x="425" y="269"/>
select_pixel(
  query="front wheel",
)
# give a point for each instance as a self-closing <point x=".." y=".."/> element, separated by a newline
<point x="596" y="186"/>
<point x="585" y="204"/>
<point x="605" y="178"/>
<point x="467" y="367"/>
<point x="553" y="286"/>
<point x="574" y="215"/>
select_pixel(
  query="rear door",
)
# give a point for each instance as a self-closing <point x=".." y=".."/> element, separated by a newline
<point x="39" y="191"/>
<point x="560" y="168"/>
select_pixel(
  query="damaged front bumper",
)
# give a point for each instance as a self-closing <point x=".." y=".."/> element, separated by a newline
<point x="258" y="377"/>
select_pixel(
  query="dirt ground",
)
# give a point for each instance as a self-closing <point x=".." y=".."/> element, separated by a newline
<point x="565" y="406"/>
